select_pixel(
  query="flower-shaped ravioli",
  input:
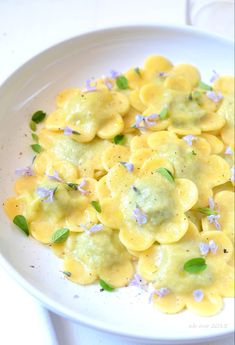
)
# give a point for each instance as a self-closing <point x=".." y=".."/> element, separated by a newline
<point x="100" y="254"/>
<point x="98" y="112"/>
<point x="191" y="159"/>
<point x="199" y="289"/>
<point x="146" y="204"/>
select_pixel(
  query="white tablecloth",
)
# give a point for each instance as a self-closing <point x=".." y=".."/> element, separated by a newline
<point x="26" y="28"/>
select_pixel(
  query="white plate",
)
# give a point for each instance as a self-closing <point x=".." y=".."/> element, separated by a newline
<point x="34" y="86"/>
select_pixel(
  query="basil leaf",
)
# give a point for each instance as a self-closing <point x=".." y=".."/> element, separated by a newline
<point x="137" y="70"/>
<point x="73" y="186"/>
<point x="66" y="273"/>
<point x="204" y="86"/>
<point x="166" y="173"/>
<point x="21" y="222"/>
<point x="96" y="206"/>
<point x="33" y="126"/>
<point x="119" y="139"/>
<point x="36" y="148"/>
<point x="60" y="235"/>
<point x="207" y="211"/>
<point x="34" y="137"/>
<point x="38" y="116"/>
<point x="122" y="82"/>
<point x="106" y="286"/>
<point x="164" y="113"/>
<point x="195" y="265"/>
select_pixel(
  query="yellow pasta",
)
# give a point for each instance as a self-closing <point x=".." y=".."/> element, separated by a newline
<point x="133" y="184"/>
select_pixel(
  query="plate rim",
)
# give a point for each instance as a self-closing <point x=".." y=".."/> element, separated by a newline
<point x="50" y="303"/>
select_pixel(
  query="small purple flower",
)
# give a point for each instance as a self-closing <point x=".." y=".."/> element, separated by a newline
<point x="108" y="84"/>
<point x="198" y="295"/>
<point x="213" y="247"/>
<point x="211" y="203"/>
<point x="214" y="77"/>
<point x="139" y="216"/>
<point x="189" y="139"/>
<point x="24" y="172"/>
<point x="205" y="248"/>
<point x="215" y="97"/>
<point x="213" y="219"/>
<point x="80" y="187"/>
<point x="47" y="194"/>
<point x="89" y="87"/>
<point x="228" y="151"/>
<point x="93" y="229"/>
<point x="162" y="292"/>
<point x="55" y="176"/>
<point x="129" y="166"/>
<point x="138" y="282"/>
<point x="162" y="74"/>
<point x="143" y="122"/>
<point x="232" y="178"/>
<point x="114" y="74"/>
<point x="68" y="131"/>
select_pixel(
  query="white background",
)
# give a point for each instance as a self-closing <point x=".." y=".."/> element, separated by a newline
<point x="26" y="28"/>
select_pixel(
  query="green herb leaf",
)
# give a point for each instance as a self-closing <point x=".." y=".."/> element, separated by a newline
<point x="34" y="137"/>
<point x="38" y="116"/>
<point x="122" y="82"/>
<point x="164" y="113"/>
<point x="96" y="206"/>
<point x="119" y="139"/>
<point x="67" y="273"/>
<point x="204" y="86"/>
<point x="166" y="173"/>
<point x="21" y="222"/>
<point x="194" y="153"/>
<point x="137" y="70"/>
<point x="106" y="286"/>
<point x="73" y="186"/>
<point x="207" y="211"/>
<point x="33" y="126"/>
<point x="60" y="235"/>
<point x="36" y="148"/>
<point x="195" y="265"/>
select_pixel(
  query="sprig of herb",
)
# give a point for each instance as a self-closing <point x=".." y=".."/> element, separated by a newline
<point x="22" y="224"/>
<point x="164" y="113"/>
<point x="67" y="273"/>
<point x="36" y="148"/>
<point x="207" y="211"/>
<point x="96" y="206"/>
<point x="204" y="86"/>
<point x="60" y="235"/>
<point x="33" y="126"/>
<point x="119" y="139"/>
<point x="38" y="116"/>
<point x="137" y="70"/>
<point x="105" y="286"/>
<point x="73" y="186"/>
<point x="166" y="173"/>
<point x="195" y="265"/>
<point x="35" y="137"/>
<point x="122" y="82"/>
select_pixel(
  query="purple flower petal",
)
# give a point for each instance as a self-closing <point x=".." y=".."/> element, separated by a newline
<point x="213" y="247"/>
<point x="150" y="120"/>
<point x="129" y="166"/>
<point x="204" y="248"/>
<point x="138" y="282"/>
<point x="198" y="295"/>
<point x="211" y="203"/>
<point x="215" y="97"/>
<point x="81" y="185"/>
<point x="143" y="122"/>
<point x="89" y="87"/>
<point x="24" y="172"/>
<point x="114" y="74"/>
<point x="162" y="292"/>
<point x="162" y="74"/>
<point x="228" y="151"/>
<point x="47" y="194"/>
<point x="213" y="219"/>
<point x="93" y="229"/>
<point x="55" y="176"/>
<point x="108" y="84"/>
<point x="68" y="131"/>
<point x="214" y="77"/>
<point x="139" y="216"/>
<point x="189" y="139"/>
